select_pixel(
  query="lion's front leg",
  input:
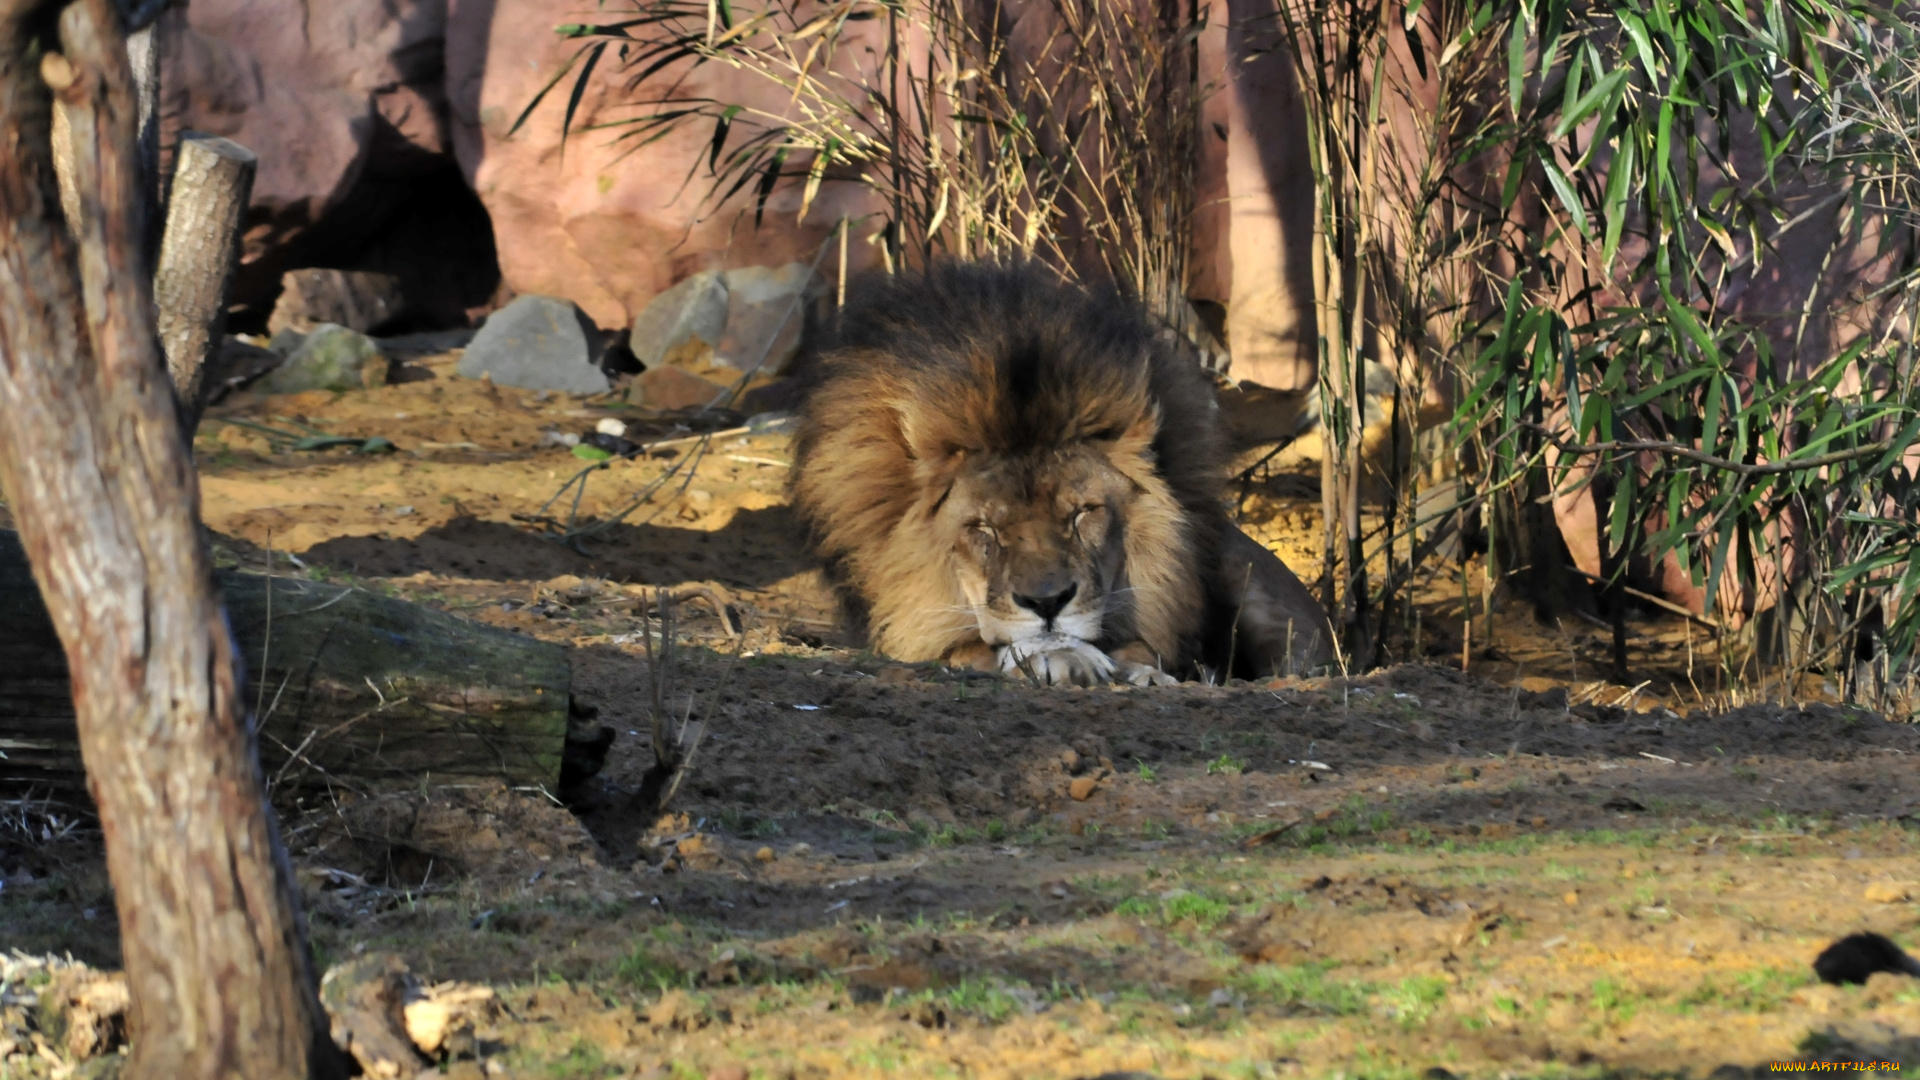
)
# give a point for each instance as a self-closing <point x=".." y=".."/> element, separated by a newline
<point x="1135" y="663"/>
<point x="975" y="654"/>
<point x="1057" y="660"/>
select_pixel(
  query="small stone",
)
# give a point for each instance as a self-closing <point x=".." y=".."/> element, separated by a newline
<point x="671" y="388"/>
<point x="356" y="299"/>
<point x="1082" y="788"/>
<point x="1571" y="899"/>
<point x="1539" y="822"/>
<point x="700" y="499"/>
<point x="537" y="343"/>
<point x="1889" y="892"/>
<point x="765" y="854"/>
<point x="611" y="426"/>
<point x="330" y="358"/>
<point x="693" y="845"/>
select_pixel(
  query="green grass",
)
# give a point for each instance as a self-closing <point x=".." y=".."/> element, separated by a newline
<point x="1226" y="765"/>
<point x="1756" y="991"/>
<point x="647" y="970"/>
<point x="1304" y="988"/>
<point x="1197" y="908"/>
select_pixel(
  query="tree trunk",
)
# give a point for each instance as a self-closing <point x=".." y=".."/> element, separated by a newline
<point x="352" y="688"/>
<point x="201" y="245"/>
<point x="96" y="471"/>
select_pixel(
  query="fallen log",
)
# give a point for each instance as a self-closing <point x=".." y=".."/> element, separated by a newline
<point x="348" y="687"/>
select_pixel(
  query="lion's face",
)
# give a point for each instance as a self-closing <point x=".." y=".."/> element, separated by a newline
<point x="1039" y="541"/>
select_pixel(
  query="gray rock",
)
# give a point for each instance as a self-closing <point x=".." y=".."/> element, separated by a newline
<point x="537" y="343"/>
<point x="761" y="309"/>
<point x="697" y="307"/>
<point x="330" y="358"/>
<point x="286" y="341"/>
<point x="356" y="299"/>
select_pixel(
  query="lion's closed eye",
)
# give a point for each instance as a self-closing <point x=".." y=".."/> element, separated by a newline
<point x="1088" y="520"/>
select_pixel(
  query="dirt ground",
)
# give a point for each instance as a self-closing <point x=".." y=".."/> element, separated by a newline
<point x="887" y="870"/>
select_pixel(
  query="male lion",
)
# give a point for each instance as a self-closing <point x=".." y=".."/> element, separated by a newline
<point x="1007" y="471"/>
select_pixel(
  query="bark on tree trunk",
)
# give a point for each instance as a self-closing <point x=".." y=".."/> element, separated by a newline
<point x="96" y="471"/>
<point x="211" y="186"/>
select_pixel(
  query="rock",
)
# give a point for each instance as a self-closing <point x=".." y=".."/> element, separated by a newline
<point x="762" y="317"/>
<point x="239" y="363"/>
<point x="330" y="358"/>
<point x="1082" y="788"/>
<point x="345" y="105"/>
<point x="669" y="388"/>
<point x="537" y="343"/>
<point x="285" y="341"/>
<point x="765" y="854"/>
<point x="356" y="299"/>
<point x="695" y="308"/>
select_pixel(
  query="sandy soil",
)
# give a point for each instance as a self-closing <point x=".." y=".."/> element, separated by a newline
<point x="888" y="870"/>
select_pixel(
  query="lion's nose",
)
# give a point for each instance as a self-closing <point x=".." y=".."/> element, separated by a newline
<point x="1047" y="607"/>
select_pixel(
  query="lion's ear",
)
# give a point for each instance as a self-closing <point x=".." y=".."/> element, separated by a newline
<point x="931" y="444"/>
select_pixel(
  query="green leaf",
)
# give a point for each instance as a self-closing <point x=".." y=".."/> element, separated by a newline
<point x="1517" y="63"/>
<point x="1619" y="185"/>
<point x="1637" y="30"/>
<point x="1563" y="189"/>
<point x="1590" y="101"/>
<point x="590" y="453"/>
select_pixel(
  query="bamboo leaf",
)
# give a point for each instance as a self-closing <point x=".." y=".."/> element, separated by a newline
<point x="1598" y="94"/>
<point x="1563" y="190"/>
<point x="579" y="90"/>
<point x="1619" y="185"/>
<point x="722" y="125"/>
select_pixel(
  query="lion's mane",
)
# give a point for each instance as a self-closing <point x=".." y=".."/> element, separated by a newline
<point x="1008" y="359"/>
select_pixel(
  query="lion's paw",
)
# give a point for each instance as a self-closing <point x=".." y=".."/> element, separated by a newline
<point x="1057" y="660"/>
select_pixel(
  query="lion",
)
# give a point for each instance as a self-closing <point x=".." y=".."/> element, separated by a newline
<point x="1004" y="470"/>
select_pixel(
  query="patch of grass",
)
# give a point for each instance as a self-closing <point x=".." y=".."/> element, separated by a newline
<point x="1615" y="1002"/>
<point x="582" y="1061"/>
<point x="988" y="1001"/>
<point x="1193" y="907"/>
<point x="1200" y="909"/>
<point x="1145" y="771"/>
<point x="1226" y="765"/>
<point x="647" y="970"/>
<point x="1304" y="988"/>
<point x="1413" y="1001"/>
<point x="1758" y="990"/>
